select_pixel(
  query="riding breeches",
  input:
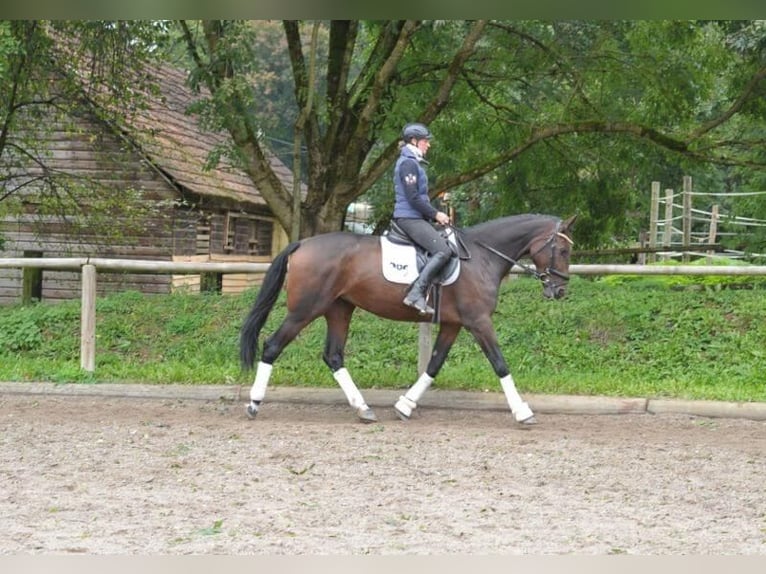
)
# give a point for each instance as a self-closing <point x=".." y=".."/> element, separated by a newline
<point x="425" y="235"/>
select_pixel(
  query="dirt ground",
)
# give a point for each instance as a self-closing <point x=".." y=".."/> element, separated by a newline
<point x="101" y="475"/>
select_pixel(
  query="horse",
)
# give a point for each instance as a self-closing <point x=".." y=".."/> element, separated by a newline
<point x="331" y="274"/>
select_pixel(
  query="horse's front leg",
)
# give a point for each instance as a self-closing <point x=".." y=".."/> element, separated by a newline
<point x="408" y="402"/>
<point x="338" y="318"/>
<point x="485" y="335"/>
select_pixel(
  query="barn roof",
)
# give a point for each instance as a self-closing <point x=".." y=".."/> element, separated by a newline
<point x="174" y="143"/>
<point x="168" y="136"/>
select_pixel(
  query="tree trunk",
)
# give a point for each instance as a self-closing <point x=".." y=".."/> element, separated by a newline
<point x="330" y="217"/>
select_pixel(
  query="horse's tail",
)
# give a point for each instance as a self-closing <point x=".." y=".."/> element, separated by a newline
<point x="267" y="296"/>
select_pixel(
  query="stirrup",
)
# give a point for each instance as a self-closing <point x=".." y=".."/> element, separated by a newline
<point x="423" y="310"/>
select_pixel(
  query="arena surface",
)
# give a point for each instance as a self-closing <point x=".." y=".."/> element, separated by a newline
<point x="117" y="475"/>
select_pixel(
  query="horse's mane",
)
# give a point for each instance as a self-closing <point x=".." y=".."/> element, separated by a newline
<point x="520" y="222"/>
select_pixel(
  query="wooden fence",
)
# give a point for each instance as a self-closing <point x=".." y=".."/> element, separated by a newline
<point x="89" y="267"/>
<point x="665" y="239"/>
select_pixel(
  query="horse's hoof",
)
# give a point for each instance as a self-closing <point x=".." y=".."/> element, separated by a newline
<point x="404" y="408"/>
<point x="367" y="415"/>
<point x="251" y="411"/>
<point x="523" y="414"/>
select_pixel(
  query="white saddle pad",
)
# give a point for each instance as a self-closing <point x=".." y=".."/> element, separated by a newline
<point x="400" y="263"/>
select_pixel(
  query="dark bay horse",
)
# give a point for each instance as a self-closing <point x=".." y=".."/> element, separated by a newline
<point x="332" y="274"/>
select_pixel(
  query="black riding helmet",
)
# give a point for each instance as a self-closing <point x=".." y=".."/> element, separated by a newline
<point x="417" y="131"/>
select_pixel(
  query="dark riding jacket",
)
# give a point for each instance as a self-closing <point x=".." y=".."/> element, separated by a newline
<point x="411" y="187"/>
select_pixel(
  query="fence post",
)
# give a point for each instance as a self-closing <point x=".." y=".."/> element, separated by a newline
<point x="424" y="346"/>
<point x="654" y="213"/>
<point x="687" y="217"/>
<point x="88" y="319"/>
<point x="667" y="237"/>
<point x="713" y="231"/>
<point x="642" y="242"/>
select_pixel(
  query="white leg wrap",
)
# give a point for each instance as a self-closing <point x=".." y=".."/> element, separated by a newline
<point x="519" y="408"/>
<point x="416" y="391"/>
<point x="405" y="406"/>
<point x="262" y="375"/>
<point x="409" y="401"/>
<point x="355" y="399"/>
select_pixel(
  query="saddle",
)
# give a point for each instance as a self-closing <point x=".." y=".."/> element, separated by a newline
<point x="402" y="259"/>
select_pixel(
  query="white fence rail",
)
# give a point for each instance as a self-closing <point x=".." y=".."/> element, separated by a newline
<point x="90" y="266"/>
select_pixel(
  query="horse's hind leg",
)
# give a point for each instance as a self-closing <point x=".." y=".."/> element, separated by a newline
<point x="408" y="402"/>
<point x="272" y="348"/>
<point x="338" y="318"/>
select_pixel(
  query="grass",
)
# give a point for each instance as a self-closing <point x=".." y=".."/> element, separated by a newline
<point x="653" y="337"/>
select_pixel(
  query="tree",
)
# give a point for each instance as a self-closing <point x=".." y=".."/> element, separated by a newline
<point x="505" y="98"/>
<point x="557" y="116"/>
<point x="342" y="132"/>
<point x="588" y="113"/>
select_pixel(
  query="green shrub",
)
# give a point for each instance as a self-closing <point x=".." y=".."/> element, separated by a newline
<point x="19" y="332"/>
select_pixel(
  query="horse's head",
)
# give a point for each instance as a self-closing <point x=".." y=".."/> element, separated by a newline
<point x="550" y="254"/>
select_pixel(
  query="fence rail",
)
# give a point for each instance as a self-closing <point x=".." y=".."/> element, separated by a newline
<point x="90" y="266"/>
<point x="179" y="267"/>
<point x="139" y="265"/>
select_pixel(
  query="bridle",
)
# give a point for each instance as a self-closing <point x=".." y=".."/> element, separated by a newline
<point x="545" y="275"/>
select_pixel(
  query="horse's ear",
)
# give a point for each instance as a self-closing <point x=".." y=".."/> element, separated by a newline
<point x="568" y="224"/>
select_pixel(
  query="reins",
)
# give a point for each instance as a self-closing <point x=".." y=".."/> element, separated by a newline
<point x="459" y="242"/>
<point x="527" y="269"/>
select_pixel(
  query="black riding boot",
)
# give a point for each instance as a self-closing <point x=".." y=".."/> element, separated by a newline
<point x="416" y="296"/>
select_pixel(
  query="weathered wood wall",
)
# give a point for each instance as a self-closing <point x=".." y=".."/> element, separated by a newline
<point x="176" y="222"/>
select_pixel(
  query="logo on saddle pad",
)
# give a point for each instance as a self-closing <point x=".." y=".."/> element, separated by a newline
<point x="402" y="263"/>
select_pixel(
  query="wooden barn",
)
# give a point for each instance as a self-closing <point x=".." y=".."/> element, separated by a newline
<point x="157" y="157"/>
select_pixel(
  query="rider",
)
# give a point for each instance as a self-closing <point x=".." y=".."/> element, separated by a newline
<point x="413" y="212"/>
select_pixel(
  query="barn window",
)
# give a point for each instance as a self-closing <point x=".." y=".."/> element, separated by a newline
<point x="248" y="234"/>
